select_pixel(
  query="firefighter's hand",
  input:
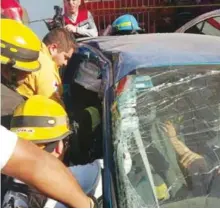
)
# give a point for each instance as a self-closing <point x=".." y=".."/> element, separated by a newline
<point x="71" y="28"/>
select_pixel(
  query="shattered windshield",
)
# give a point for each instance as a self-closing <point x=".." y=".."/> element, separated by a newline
<point x="166" y="137"/>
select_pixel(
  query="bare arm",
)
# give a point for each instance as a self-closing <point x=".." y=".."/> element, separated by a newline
<point x="38" y="168"/>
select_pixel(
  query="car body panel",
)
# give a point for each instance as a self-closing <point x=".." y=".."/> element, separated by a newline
<point x="146" y="51"/>
<point x="201" y="18"/>
<point x="154" y="50"/>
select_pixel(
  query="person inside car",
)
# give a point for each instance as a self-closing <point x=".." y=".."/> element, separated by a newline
<point x="199" y="175"/>
<point x="45" y="123"/>
<point x="31" y="67"/>
<point x="79" y="20"/>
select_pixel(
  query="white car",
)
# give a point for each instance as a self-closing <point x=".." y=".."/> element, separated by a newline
<point x="207" y="24"/>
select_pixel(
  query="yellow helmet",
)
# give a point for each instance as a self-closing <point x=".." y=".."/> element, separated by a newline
<point x="19" y="46"/>
<point x="40" y="120"/>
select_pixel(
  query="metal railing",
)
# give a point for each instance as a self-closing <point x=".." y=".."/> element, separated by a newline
<point x="151" y="14"/>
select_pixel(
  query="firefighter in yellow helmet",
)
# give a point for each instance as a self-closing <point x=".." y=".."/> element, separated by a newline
<point x="20" y="47"/>
<point x="35" y="65"/>
<point x="44" y="122"/>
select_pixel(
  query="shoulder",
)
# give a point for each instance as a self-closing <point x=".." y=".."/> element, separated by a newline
<point x="46" y="62"/>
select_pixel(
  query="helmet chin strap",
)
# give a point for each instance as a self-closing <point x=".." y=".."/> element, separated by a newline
<point x="11" y="63"/>
<point x="11" y="81"/>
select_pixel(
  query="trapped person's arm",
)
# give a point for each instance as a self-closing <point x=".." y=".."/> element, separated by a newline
<point x="26" y="162"/>
<point x="187" y="157"/>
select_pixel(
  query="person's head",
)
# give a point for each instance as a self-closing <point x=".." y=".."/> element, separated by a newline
<point x="71" y="6"/>
<point x="20" y="49"/>
<point x="61" y="45"/>
<point x="125" y="25"/>
<point x="42" y="121"/>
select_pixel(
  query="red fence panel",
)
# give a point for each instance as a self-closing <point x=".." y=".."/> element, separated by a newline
<point x="152" y="15"/>
<point x="106" y="11"/>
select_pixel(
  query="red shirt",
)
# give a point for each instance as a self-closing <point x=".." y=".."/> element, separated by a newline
<point x="84" y="23"/>
<point x="82" y="16"/>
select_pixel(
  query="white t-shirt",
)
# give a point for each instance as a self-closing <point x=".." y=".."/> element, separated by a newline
<point x="8" y="142"/>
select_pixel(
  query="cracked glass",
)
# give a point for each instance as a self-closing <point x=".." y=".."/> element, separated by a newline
<point x="166" y="137"/>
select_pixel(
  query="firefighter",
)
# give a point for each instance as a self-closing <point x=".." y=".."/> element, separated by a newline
<point x="17" y="151"/>
<point x="89" y="135"/>
<point x="125" y="25"/>
<point x="20" y="49"/>
<point x="30" y="67"/>
<point x="45" y="123"/>
<point x="83" y="103"/>
<point x="79" y="20"/>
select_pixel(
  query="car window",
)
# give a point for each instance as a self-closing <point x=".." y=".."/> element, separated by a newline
<point x="166" y="137"/>
<point x="209" y="26"/>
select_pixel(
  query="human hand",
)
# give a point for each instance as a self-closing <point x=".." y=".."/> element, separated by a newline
<point x="71" y="28"/>
<point x="169" y="129"/>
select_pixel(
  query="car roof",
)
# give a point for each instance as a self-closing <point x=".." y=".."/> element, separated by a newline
<point x="198" y="19"/>
<point x="156" y="50"/>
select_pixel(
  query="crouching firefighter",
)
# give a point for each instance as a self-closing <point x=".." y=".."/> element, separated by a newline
<point x="82" y="97"/>
<point x="89" y="137"/>
<point x="44" y="122"/>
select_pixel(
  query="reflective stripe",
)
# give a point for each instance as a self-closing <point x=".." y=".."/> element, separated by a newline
<point x="16" y="53"/>
<point x="124" y="24"/>
<point x="95" y="116"/>
<point x="38" y="121"/>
